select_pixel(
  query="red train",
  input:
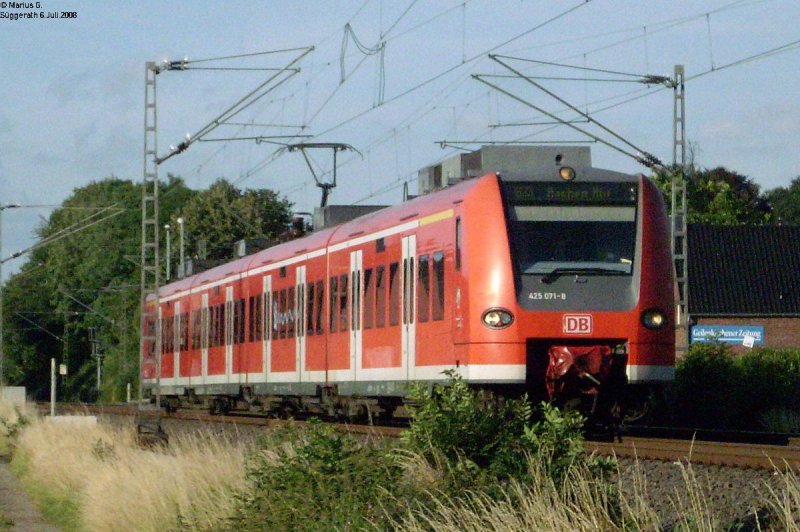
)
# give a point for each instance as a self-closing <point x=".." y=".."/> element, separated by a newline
<point x="557" y="283"/>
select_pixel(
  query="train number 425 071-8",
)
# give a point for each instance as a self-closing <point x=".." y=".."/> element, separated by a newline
<point x="548" y="295"/>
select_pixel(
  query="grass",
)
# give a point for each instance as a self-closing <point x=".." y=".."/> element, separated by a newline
<point x="96" y="478"/>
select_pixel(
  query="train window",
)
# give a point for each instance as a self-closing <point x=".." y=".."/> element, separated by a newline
<point x="229" y="322"/>
<point x="204" y="328"/>
<point x="220" y="339"/>
<point x="343" y="303"/>
<point x="319" y="305"/>
<point x="276" y="315"/>
<point x="264" y="321"/>
<point x="240" y="325"/>
<point x="290" y="313"/>
<point x="185" y="331"/>
<point x="369" y="298"/>
<point x="257" y="317"/>
<point x="380" y="296"/>
<point x="380" y="245"/>
<point x="423" y="289"/>
<point x="355" y="306"/>
<point x="282" y="313"/>
<point x="408" y="290"/>
<point x="437" y="287"/>
<point x="334" y="304"/>
<point x="283" y="271"/>
<point x="310" y="310"/>
<point x="251" y="333"/>
<point x="212" y="326"/>
<point x="394" y="294"/>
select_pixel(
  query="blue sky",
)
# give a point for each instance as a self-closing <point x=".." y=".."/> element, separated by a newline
<point x="72" y="89"/>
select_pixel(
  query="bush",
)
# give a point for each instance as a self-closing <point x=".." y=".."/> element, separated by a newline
<point x="315" y="479"/>
<point x="716" y="389"/>
<point x="486" y="439"/>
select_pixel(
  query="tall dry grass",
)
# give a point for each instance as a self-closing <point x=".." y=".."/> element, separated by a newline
<point x="115" y="485"/>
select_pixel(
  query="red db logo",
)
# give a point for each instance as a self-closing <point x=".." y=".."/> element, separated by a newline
<point x="578" y="323"/>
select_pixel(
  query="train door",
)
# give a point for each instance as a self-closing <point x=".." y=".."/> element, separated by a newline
<point x="299" y="315"/>
<point x="229" y="332"/>
<point x="356" y="265"/>
<point x="408" y="340"/>
<point x="204" y="326"/>
<point x="266" y="314"/>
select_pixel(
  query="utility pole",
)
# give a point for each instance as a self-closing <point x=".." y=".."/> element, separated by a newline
<point x="679" y="209"/>
<point x="182" y="268"/>
<point x="169" y="261"/>
<point x="150" y="278"/>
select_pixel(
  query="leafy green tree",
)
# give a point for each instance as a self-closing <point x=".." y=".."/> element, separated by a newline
<point x="224" y="214"/>
<point x="785" y="202"/>
<point x="719" y="196"/>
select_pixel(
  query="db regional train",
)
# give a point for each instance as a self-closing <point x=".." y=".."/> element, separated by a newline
<point x="556" y="282"/>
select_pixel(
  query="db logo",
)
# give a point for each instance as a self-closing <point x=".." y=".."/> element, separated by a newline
<point x="578" y="323"/>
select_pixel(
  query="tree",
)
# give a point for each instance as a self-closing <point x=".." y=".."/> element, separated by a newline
<point x="224" y="214"/>
<point x="720" y="196"/>
<point x="89" y="280"/>
<point x="785" y="202"/>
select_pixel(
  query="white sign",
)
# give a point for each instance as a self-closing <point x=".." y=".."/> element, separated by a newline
<point x="578" y="323"/>
<point x="62" y="369"/>
<point x="749" y="341"/>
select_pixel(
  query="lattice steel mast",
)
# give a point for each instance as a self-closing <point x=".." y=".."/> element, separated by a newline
<point x="679" y="207"/>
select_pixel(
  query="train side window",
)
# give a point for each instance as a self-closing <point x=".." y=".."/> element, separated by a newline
<point x="204" y="322"/>
<point x="240" y="328"/>
<point x="319" y="305"/>
<point x="423" y="288"/>
<point x="310" y="309"/>
<point x="334" y="314"/>
<point x="185" y="331"/>
<point x="276" y="315"/>
<point x="282" y="313"/>
<point x="380" y="296"/>
<point x="458" y="243"/>
<point x="251" y="333"/>
<point x="291" y="311"/>
<point x="394" y="294"/>
<point x="211" y="325"/>
<point x="230" y="322"/>
<point x="355" y="304"/>
<point x="220" y="325"/>
<point x="408" y="290"/>
<point x="257" y="317"/>
<point x="343" y="303"/>
<point x="437" y="287"/>
<point x="236" y="321"/>
<point x="369" y="298"/>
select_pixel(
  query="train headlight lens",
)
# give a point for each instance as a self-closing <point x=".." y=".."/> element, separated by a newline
<point x="566" y="173"/>
<point x="497" y="318"/>
<point x="654" y="319"/>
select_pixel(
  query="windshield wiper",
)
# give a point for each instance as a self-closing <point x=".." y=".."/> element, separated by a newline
<point x="558" y="272"/>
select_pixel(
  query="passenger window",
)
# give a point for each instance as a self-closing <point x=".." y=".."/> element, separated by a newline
<point x="380" y="297"/>
<point x="291" y="309"/>
<point x="334" y="311"/>
<point x="394" y="294"/>
<point x="369" y="298"/>
<point x="319" y="305"/>
<point x="310" y="309"/>
<point x="437" y="287"/>
<point x="283" y="325"/>
<point x="276" y="315"/>
<point x="343" y="303"/>
<point x="458" y="243"/>
<point x="423" y="289"/>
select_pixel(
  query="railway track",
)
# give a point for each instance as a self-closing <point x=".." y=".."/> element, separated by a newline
<point x="750" y="455"/>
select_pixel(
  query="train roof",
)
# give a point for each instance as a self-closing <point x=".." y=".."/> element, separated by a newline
<point x="369" y="223"/>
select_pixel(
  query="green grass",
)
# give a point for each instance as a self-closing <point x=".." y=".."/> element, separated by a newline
<point x="58" y="508"/>
<point x="6" y="523"/>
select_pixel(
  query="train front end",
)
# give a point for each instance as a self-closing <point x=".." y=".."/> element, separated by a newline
<point x="584" y="286"/>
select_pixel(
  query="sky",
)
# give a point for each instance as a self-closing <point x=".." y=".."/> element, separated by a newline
<point x="72" y="90"/>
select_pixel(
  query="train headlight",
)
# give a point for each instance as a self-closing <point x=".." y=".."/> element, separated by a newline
<point x="654" y="318"/>
<point x="497" y="318"/>
<point x="567" y="173"/>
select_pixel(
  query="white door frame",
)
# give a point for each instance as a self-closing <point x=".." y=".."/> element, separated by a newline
<point x="409" y="336"/>
<point x="356" y="311"/>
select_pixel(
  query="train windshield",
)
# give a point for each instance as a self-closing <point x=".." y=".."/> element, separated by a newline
<point x="556" y="228"/>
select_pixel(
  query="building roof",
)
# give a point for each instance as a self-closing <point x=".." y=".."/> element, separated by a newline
<point x="744" y="270"/>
